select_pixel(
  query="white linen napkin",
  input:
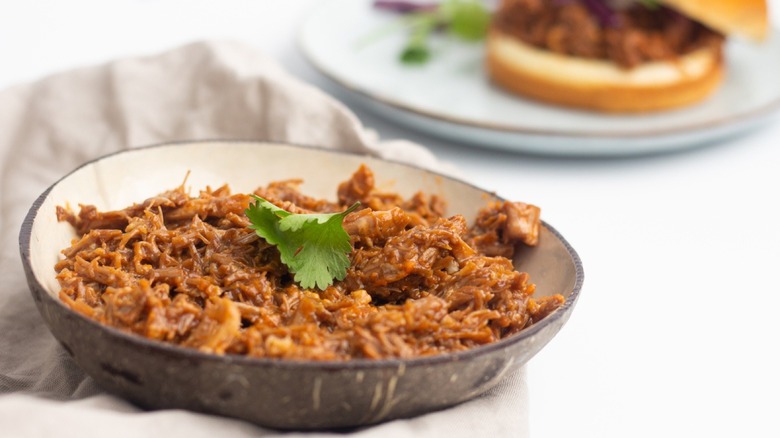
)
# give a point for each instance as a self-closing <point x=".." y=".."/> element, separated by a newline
<point x="205" y="90"/>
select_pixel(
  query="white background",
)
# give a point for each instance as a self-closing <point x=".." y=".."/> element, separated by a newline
<point x="676" y="332"/>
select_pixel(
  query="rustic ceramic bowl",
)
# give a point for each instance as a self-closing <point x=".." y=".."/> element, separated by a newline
<point x="274" y="393"/>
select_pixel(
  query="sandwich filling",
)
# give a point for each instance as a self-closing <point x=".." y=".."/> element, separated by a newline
<point x="629" y="34"/>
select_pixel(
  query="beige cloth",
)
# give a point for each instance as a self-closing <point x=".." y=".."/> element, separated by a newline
<point x="210" y="90"/>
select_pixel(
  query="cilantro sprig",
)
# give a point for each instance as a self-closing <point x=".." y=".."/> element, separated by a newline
<point x="314" y="247"/>
<point x="462" y="19"/>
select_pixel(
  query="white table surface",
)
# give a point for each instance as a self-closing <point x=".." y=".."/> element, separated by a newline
<point x="676" y="332"/>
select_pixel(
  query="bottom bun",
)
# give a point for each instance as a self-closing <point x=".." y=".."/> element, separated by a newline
<point x="598" y="84"/>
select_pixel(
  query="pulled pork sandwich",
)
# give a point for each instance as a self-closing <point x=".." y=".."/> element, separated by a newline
<point x="617" y="56"/>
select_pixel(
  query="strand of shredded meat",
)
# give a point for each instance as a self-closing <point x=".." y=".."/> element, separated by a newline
<point x="637" y="35"/>
<point x="189" y="271"/>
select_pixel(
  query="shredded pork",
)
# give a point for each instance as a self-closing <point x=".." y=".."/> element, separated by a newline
<point x="633" y="35"/>
<point x="188" y="270"/>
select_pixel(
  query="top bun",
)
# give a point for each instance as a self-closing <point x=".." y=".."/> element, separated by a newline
<point x="747" y="18"/>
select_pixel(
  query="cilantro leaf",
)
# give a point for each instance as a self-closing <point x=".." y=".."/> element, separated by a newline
<point x="415" y="54"/>
<point x="314" y="247"/>
<point x="467" y="20"/>
<point x="417" y="50"/>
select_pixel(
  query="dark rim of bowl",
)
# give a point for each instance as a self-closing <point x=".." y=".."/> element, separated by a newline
<point x="356" y="364"/>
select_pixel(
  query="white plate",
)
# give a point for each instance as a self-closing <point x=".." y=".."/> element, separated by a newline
<point x="451" y="98"/>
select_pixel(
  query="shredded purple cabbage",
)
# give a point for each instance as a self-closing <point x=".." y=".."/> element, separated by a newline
<point x="404" y="7"/>
<point x="607" y="17"/>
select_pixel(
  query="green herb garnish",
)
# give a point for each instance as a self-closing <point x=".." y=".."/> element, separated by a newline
<point x="466" y="20"/>
<point x="314" y="247"/>
<point x="416" y="50"/>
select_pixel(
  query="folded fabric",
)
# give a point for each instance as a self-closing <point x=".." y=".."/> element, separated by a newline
<point x="205" y="90"/>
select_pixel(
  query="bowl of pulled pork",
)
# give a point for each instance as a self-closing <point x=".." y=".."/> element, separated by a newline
<point x="293" y="287"/>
